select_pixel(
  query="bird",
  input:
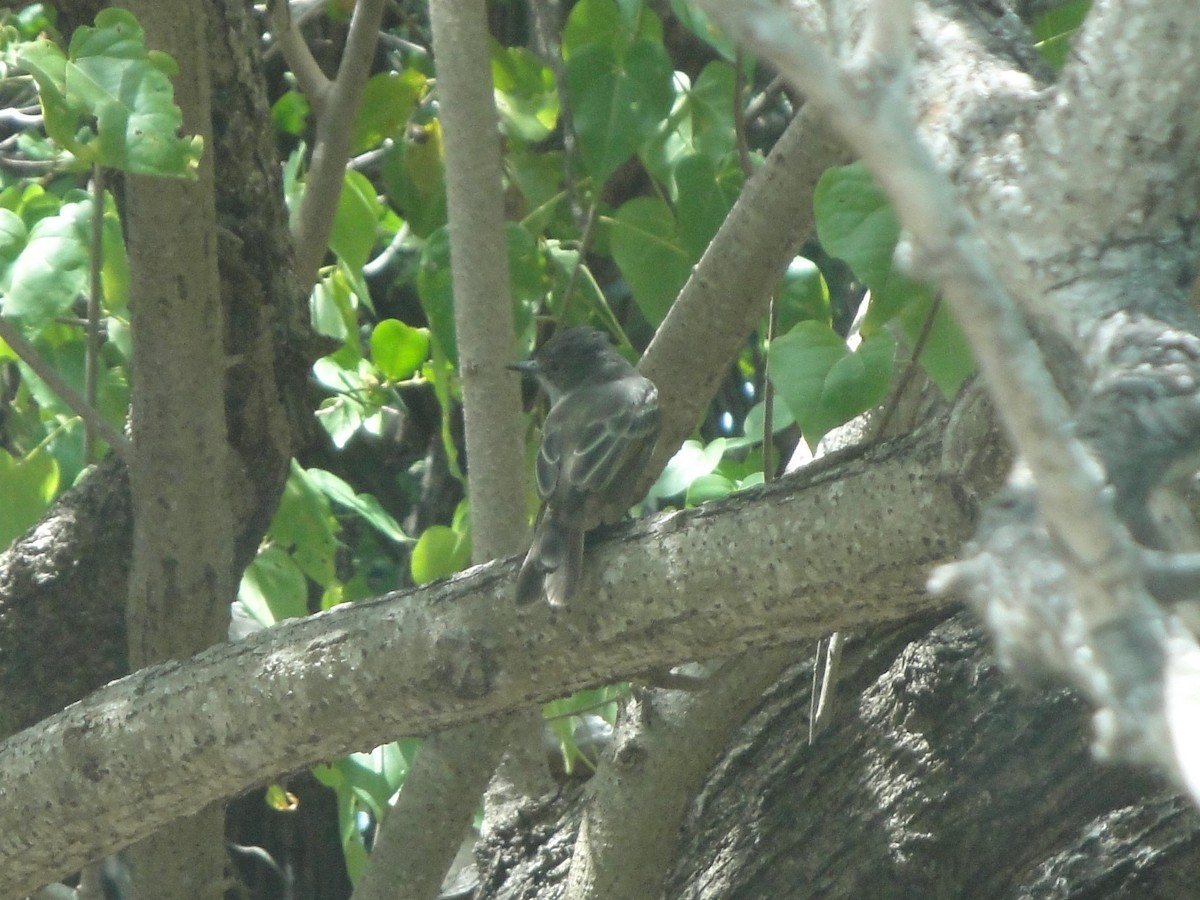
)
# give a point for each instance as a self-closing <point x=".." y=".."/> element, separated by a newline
<point x="598" y="436"/>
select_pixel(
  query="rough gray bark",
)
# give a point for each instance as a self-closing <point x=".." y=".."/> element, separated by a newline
<point x="458" y="651"/>
<point x="183" y="578"/>
<point x="974" y="115"/>
<point x="663" y="748"/>
<point x="1136" y="664"/>
<point x="937" y="778"/>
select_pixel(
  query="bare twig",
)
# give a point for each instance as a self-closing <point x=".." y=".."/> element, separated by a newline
<point x="95" y="288"/>
<point x="910" y="370"/>
<point x="29" y="355"/>
<point x="312" y="81"/>
<point x="335" y="128"/>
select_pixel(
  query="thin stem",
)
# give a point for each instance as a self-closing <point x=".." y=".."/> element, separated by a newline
<point x="907" y="376"/>
<point x="29" y="355"/>
<point x="91" y="368"/>
<point x="585" y="241"/>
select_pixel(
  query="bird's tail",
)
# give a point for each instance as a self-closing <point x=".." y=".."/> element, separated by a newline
<point x="553" y="565"/>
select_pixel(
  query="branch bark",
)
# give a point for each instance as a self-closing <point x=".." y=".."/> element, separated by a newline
<point x="868" y="99"/>
<point x="338" y="104"/>
<point x="458" y="651"/>
<point x="183" y="577"/>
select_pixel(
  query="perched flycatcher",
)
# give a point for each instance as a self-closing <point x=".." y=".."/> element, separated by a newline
<point x="598" y="436"/>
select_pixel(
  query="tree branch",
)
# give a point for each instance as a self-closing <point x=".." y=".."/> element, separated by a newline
<point x="335" y="129"/>
<point x="867" y="104"/>
<point x="28" y="354"/>
<point x="312" y="81"/>
<point x="730" y="288"/>
<point x="183" y="575"/>
<point x="460" y="650"/>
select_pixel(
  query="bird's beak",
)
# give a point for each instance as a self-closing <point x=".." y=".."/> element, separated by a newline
<point x="526" y="367"/>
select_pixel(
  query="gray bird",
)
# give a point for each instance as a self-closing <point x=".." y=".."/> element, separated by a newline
<point x="598" y="436"/>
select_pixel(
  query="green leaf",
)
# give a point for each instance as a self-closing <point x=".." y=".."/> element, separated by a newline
<point x="593" y="22"/>
<point x="856" y="223"/>
<point x="397" y="349"/>
<point x="331" y="306"/>
<point x="367" y="506"/>
<point x="440" y="373"/>
<point x="691" y="461"/>
<point x="946" y="356"/>
<point x="708" y="487"/>
<point x="290" y="113"/>
<point x="895" y="294"/>
<point x="754" y="425"/>
<point x="617" y="100"/>
<point x="389" y="99"/>
<point x="414" y="177"/>
<point x="355" y="225"/>
<point x="1054" y="30"/>
<point x="528" y="283"/>
<point x="30" y="201"/>
<point x="13" y="237"/>
<point x="27" y="486"/>
<point x="376" y="776"/>
<point x="701" y="122"/>
<point x="803" y="295"/>
<point x="436" y="292"/>
<point x="647" y="247"/>
<point x="114" y="270"/>
<point x="52" y="269"/>
<point x="342" y="418"/>
<point x="706" y="194"/>
<point x="110" y="77"/>
<point x="699" y="24"/>
<point x="273" y="588"/>
<point x="822" y="382"/>
<point x="538" y="177"/>
<point x="526" y="98"/>
<point x="304" y="525"/>
<point x="528" y="275"/>
<point x="439" y="553"/>
<point x="32" y="19"/>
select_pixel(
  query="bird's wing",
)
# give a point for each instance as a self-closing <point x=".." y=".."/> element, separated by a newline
<point x="595" y="436"/>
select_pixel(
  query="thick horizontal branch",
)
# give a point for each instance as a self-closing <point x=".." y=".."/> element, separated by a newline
<point x="842" y="544"/>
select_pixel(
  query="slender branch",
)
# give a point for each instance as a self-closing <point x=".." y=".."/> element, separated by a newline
<point x="423" y="830"/>
<point x="335" y="128"/>
<point x="739" y="113"/>
<point x="585" y="243"/>
<point x="547" y="19"/>
<point x="29" y="355"/>
<point x="95" y="288"/>
<point x="312" y="81"/>
<point x="910" y="370"/>
<point x="759" y="104"/>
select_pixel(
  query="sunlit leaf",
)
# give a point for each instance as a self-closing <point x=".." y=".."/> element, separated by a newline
<point x="823" y="382"/>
